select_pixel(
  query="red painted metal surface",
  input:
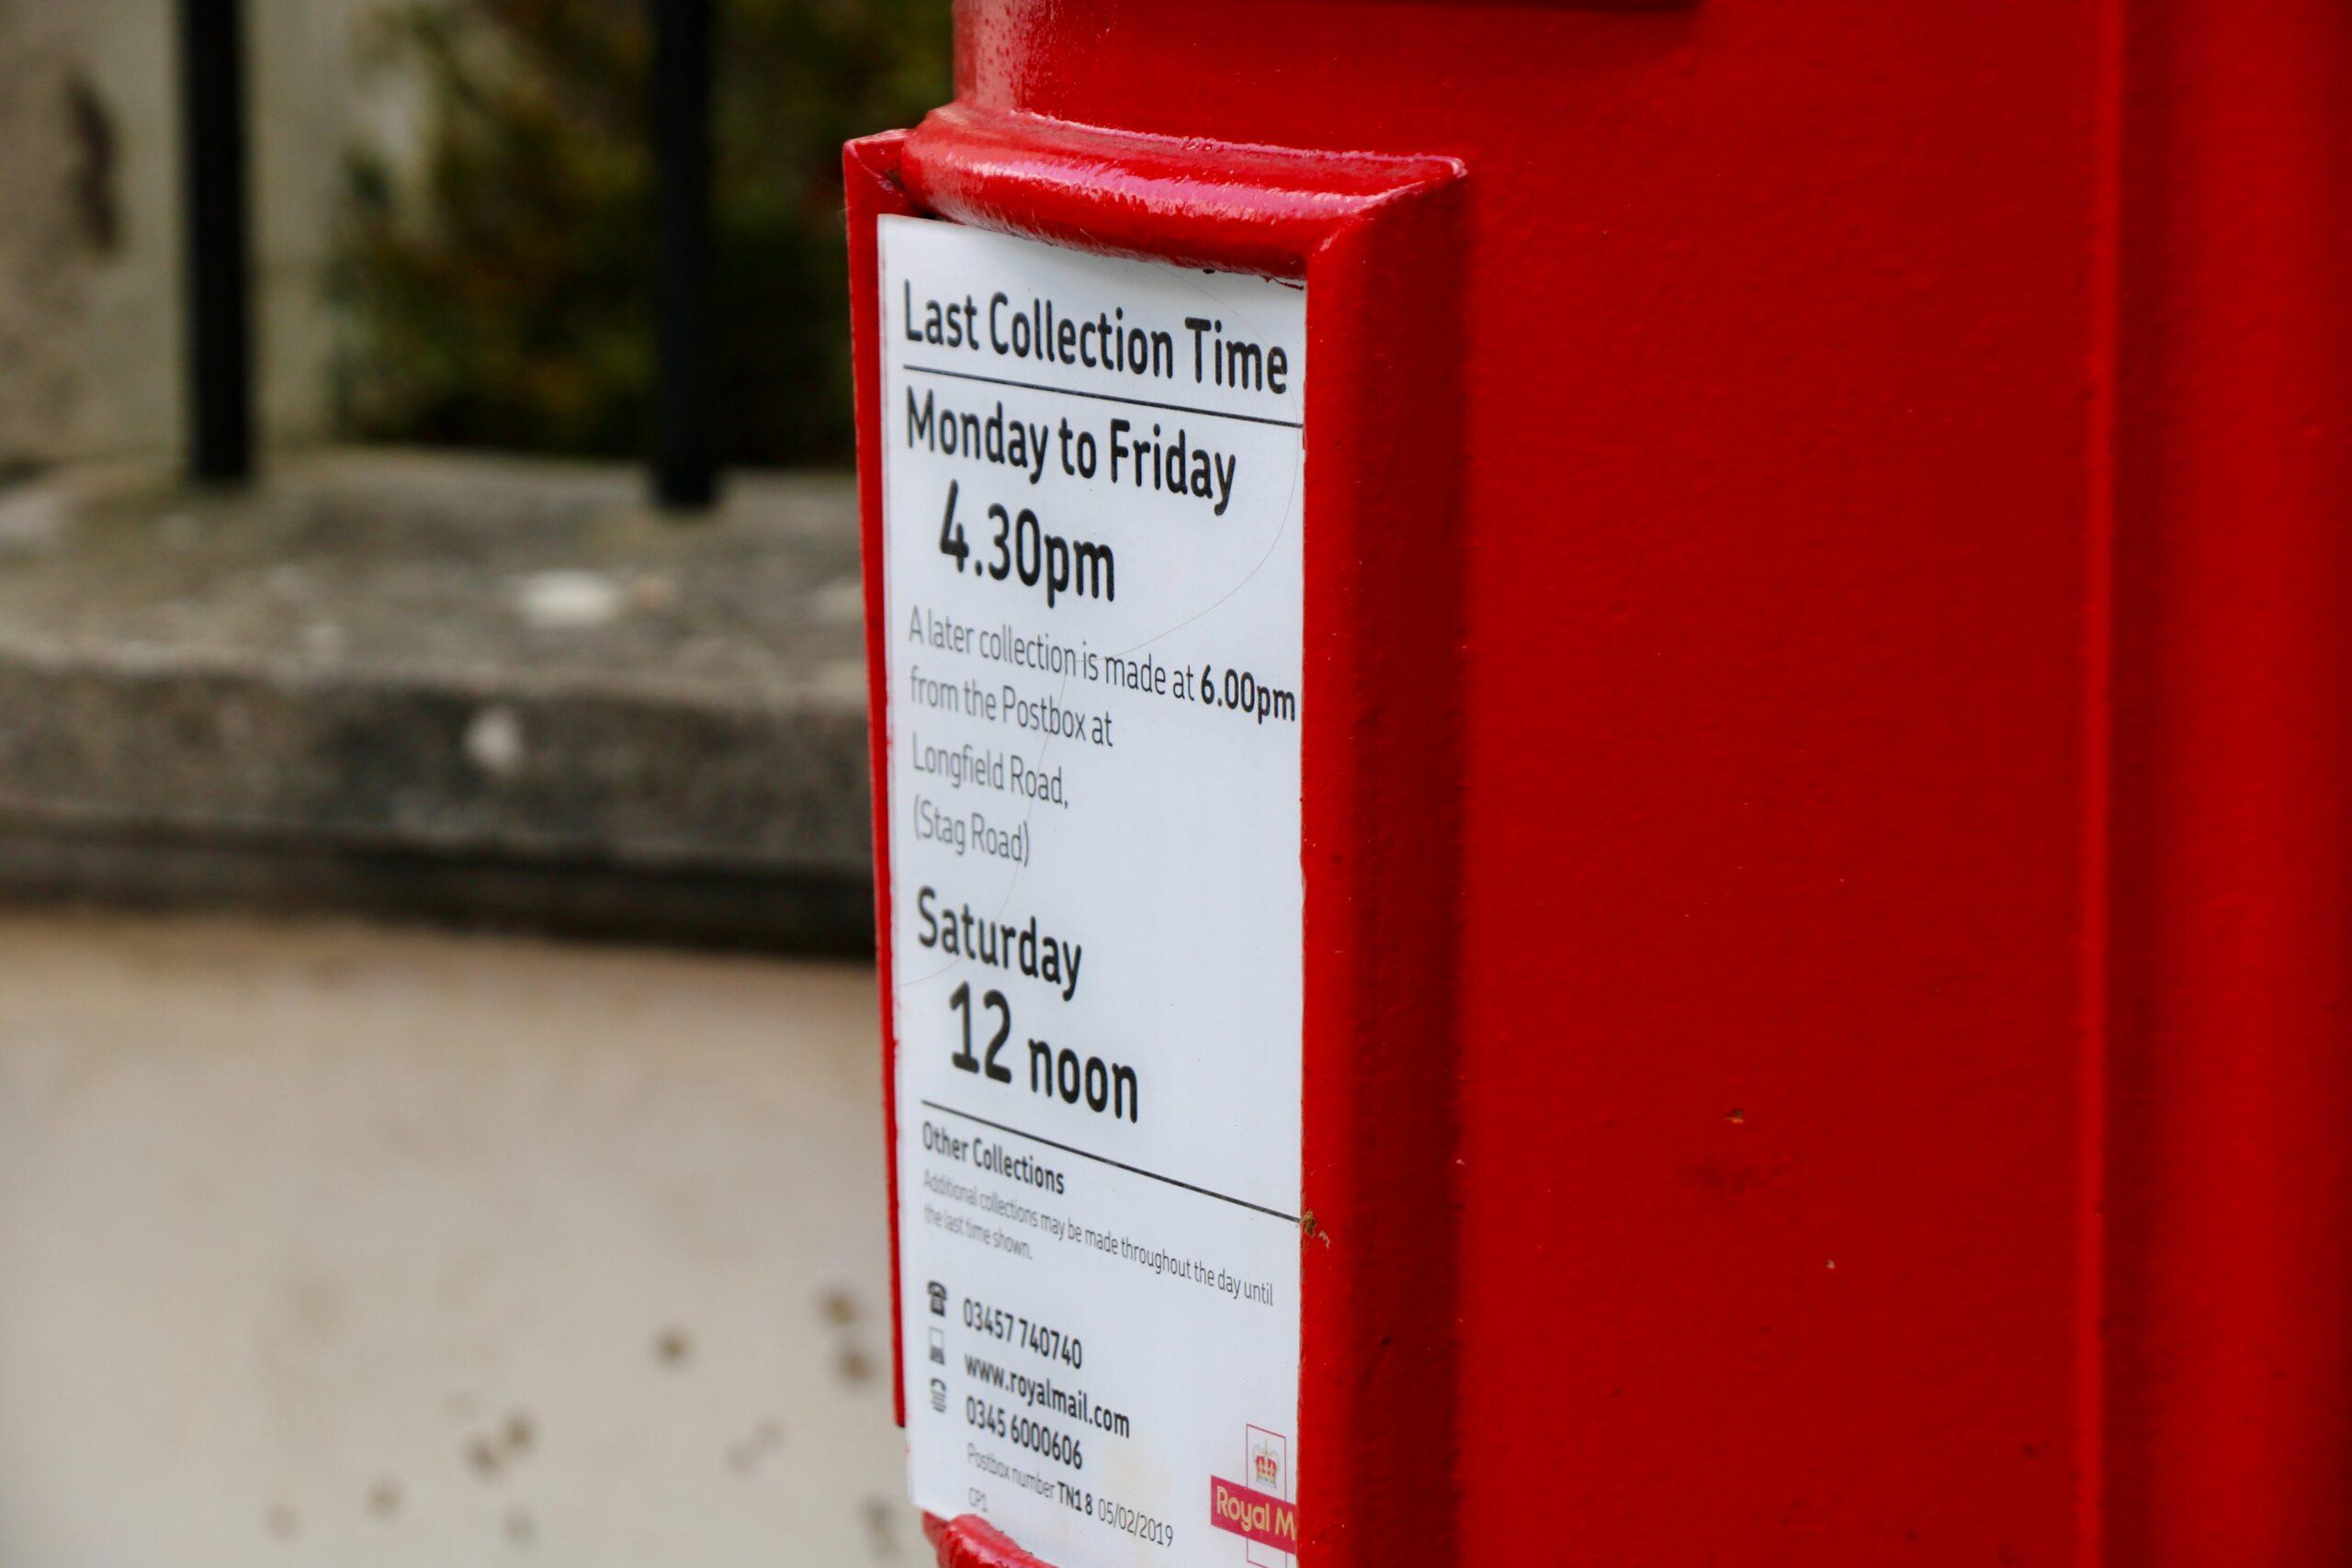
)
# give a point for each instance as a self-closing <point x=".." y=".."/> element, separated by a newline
<point x="969" y="1541"/>
<point x="1829" y="894"/>
<point x="2230" y="1169"/>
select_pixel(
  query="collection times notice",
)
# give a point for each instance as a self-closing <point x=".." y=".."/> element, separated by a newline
<point x="1092" y="580"/>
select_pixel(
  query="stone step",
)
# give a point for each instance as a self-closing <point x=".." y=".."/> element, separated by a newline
<point x="473" y="687"/>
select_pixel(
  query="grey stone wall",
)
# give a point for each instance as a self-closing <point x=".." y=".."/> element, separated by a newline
<point x="91" y="360"/>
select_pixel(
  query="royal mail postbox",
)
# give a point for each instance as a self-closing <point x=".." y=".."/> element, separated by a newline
<point x="1609" y="743"/>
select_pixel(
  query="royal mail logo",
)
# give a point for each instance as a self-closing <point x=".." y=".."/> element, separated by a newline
<point x="1268" y="1457"/>
<point x="1252" y="1515"/>
<point x="1261" y="1512"/>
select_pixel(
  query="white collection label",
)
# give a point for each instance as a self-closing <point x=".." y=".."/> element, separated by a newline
<point x="1093" y="585"/>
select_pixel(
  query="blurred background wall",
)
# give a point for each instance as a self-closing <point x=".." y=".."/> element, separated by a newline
<point x="381" y="1179"/>
<point x="381" y="680"/>
<point x="339" y="1245"/>
<point x="451" y="207"/>
<point x="90" y="237"/>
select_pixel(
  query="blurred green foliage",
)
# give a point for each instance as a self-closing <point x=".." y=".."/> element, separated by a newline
<point x="499" y="280"/>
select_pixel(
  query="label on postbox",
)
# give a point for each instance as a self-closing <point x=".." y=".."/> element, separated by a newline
<point x="1093" y="586"/>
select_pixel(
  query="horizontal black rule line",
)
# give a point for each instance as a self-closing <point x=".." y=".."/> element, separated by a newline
<point x="1100" y="398"/>
<point x="1106" y="1159"/>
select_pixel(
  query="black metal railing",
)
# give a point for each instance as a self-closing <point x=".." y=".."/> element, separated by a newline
<point x="685" y="455"/>
<point x="218" y="228"/>
<point x="220" y="325"/>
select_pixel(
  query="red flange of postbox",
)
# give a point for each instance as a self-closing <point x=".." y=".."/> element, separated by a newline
<point x="1374" y="241"/>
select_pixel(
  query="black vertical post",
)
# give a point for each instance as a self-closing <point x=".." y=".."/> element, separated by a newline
<point x="219" y="333"/>
<point x="686" y="458"/>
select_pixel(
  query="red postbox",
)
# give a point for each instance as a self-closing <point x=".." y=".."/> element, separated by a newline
<point x="1610" y="753"/>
